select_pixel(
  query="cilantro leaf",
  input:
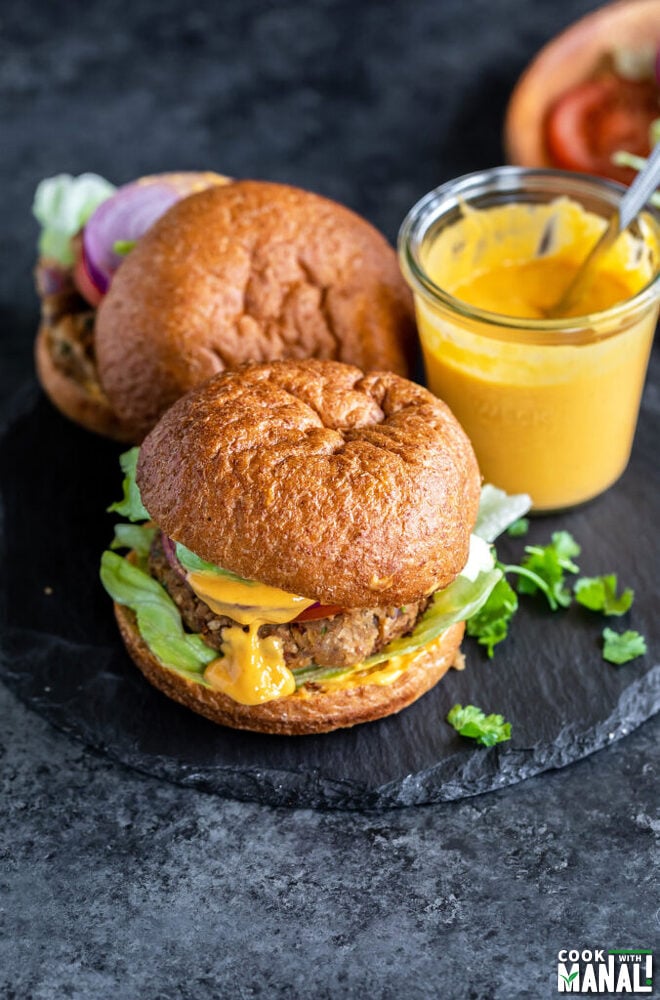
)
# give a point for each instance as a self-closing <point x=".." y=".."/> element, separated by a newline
<point x="130" y="505"/>
<point x="598" y="593"/>
<point x="544" y="568"/>
<point x="475" y="724"/>
<point x="518" y="528"/>
<point x="621" y="647"/>
<point x="566" y="547"/>
<point x="490" y="625"/>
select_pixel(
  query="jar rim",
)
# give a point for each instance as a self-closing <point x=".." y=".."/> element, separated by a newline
<point x="522" y="181"/>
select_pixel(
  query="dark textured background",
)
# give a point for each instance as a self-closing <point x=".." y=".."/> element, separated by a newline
<point x="114" y="885"/>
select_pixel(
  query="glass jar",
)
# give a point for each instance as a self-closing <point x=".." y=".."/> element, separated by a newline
<point x="550" y="405"/>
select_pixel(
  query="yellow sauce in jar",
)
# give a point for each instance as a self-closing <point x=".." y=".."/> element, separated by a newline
<point x="550" y="409"/>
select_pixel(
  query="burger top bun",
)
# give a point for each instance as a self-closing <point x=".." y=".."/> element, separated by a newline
<point x="349" y="489"/>
<point x="251" y="271"/>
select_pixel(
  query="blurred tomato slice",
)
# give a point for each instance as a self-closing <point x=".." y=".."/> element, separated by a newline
<point x="83" y="281"/>
<point x="318" y="611"/>
<point x="590" y="122"/>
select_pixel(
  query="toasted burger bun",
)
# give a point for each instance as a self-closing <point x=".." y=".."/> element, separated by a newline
<point x="252" y="271"/>
<point x="297" y="715"/>
<point x="83" y="402"/>
<point x="350" y="489"/>
<point x="64" y="356"/>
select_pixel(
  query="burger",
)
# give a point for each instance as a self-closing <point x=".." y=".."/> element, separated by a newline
<point x="87" y="228"/>
<point x="300" y="549"/>
<point x="179" y="276"/>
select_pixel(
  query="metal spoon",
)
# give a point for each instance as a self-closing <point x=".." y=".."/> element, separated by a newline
<point x="631" y="204"/>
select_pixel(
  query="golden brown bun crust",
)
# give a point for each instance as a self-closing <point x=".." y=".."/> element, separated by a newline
<point x="351" y="489"/>
<point x="84" y="404"/>
<point x="252" y="271"/>
<point x="320" y="712"/>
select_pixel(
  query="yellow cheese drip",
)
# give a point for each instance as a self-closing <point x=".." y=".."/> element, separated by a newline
<point x="251" y="670"/>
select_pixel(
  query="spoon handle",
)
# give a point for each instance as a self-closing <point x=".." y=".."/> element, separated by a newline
<point x="640" y="190"/>
<point x="630" y="206"/>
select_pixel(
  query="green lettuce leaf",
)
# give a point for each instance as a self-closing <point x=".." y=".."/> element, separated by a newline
<point x="624" y="159"/>
<point x="498" y="511"/>
<point x="459" y="601"/>
<point x="476" y="725"/>
<point x="158" y="617"/>
<point x="62" y="205"/>
<point x="317" y="674"/>
<point x="194" y="564"/>
<point x="130" y="505"/>
<point x="137" y="537"/>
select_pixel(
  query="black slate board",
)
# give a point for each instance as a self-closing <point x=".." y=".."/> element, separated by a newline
<point x="62" y="655"/>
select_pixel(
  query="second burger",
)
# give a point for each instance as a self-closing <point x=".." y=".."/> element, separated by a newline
<point x="236" y="272"/>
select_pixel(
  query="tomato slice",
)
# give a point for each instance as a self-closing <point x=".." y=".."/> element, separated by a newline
<point x="318" y="611"/>
<point x="84" y="283"/>
<point x="590" y="122"/>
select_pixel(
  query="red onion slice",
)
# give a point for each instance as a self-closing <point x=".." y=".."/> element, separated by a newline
<point x="169" y="548"/>
<point x="129" y="213"/>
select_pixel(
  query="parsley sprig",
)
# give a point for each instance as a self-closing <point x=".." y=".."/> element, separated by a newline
<point x="476" y="725"/>
<point x="544" y="570"/>
<point x="491" y="625"/>
<point x="598" y="593"/>
<point x="545" y="566"/>
<point x="622" y="647"/>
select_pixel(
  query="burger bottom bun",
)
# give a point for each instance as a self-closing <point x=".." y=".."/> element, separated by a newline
<point x="320" y="712"/>
<point x="85" y="405"/>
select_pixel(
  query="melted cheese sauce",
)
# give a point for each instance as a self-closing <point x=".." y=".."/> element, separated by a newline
<point x="552" y="419"/>
<point x="246" y="602"/>
<point x="251" y="670"/>
<point x="530" y="288"/>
